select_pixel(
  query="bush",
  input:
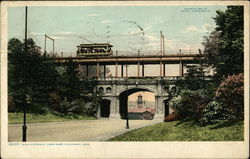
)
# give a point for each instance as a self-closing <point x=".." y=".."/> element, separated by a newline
<point x="212" y="113"/>
<point x="230" y="94"/>
<point x="54" y="101"/>
<point x="190" y="103"/>
<point x="72" y="107"/>
<point x="176" y="103"/>
<point x="11" y="104"/>
<point x="171" y="117"/>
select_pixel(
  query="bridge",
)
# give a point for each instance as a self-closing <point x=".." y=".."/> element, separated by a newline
<point x="115" y="90"/>
<point x="139" y="60"/>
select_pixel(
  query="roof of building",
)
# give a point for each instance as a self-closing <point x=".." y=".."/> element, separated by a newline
<point x="141" y="110"/>
<point x="96" y="44"/>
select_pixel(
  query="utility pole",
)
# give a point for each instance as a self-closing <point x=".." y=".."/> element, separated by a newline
<point x="162" y="46"/>
<point x="161" y="42"/>
<point x="24" y="127"/>
<point x="53" y="40"/>
<point x="45" y="44"/>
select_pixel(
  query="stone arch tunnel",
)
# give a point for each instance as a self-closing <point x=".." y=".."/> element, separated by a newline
<point x="123" y="100"/>
<point x="115" y="97"/>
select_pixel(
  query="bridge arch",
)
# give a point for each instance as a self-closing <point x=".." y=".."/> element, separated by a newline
<point x="123" y="99"/>
<point x="121" y="89"/>
<point x="134" y="88"/>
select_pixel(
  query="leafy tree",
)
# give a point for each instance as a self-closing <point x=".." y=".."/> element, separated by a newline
<point x="34" y="78"/>
<point x="224" y="47"/>
<point x="15" y="74"/>
<point x="193" y="79"/>
<point x="29" y="75"/>
<point x="46" y="82"/>
<point x="70" y="85"/>
<point x="23" y="70"/>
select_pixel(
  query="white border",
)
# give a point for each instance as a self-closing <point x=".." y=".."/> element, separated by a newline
<point x="124" y="149"/>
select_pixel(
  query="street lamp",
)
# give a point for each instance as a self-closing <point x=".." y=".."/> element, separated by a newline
<point x="127" y="123"/>
<point x="24" y="127"/>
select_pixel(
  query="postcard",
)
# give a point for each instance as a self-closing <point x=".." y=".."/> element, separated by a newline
<point x="125" y="79"/>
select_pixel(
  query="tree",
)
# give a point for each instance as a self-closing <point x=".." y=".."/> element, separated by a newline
<point x="15" y="73"/>
<point x="70" y="83"/>
<point x="23" y="70"/>
<point x="29" y="75"/>
<point x="193" y="79"/>
<point x="224" y="47"/>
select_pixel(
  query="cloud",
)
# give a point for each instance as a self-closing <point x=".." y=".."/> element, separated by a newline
<point x="92" y="15"/>
<point x="157" y="19"/>
<point x="106" y="21"/>
<point x="52" y="34"/>
<point x="147" y="27"/>
<point x="59" y="37"/>
<point x="152" y="37"/>
<point x="35" y="33"/>
<point x="132" y="32"/>
<point x="204" y="29"/>
<point x="65" y="33"/>
<point x="208" y="27"/>
<point x="193" y="29"/>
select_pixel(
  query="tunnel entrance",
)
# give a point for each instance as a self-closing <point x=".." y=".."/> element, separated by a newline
<point x="166" y="104"/>
<point x="105" y="108"/>
<point x="134" y="104"/>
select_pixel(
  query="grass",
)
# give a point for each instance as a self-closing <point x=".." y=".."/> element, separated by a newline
<point x="17" y="118"/>
<point x="186" y="131"/>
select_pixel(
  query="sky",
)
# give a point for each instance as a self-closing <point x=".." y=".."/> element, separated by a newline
<point x="127" y="28"/>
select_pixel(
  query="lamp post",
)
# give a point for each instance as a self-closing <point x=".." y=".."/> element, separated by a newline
<point x="24" y="127"/>
<point x="127" y="122"/>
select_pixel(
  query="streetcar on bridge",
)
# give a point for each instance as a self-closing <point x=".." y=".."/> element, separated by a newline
<point x="95" y="49"/>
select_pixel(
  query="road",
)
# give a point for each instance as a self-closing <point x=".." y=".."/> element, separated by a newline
<point x="84" y="130"/>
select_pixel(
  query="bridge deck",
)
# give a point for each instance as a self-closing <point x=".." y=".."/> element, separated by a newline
<point x="142" y="59"/>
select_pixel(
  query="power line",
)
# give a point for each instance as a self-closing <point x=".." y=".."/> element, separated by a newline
<point x="86" y="39"/>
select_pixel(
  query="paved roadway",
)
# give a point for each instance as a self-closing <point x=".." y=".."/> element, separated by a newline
<point x="85" y="130"/>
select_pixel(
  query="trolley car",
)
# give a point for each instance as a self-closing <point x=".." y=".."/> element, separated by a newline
<point x="101" y="49"/>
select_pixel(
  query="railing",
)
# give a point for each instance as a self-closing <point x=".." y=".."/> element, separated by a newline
<point x="138" y="52"/>
<point x="143" y="80"/>
<point x="136" y="80"/>
<point x="155" y="52"/>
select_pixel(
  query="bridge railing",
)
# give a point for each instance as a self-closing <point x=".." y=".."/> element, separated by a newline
<point x="137" y="52"/>
<point x="155" y="52"/>
<point x="136" y="80"/>
<point x="143" y="80"/>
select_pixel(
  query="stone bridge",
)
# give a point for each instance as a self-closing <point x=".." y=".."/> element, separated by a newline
<point x="116" y="91"/>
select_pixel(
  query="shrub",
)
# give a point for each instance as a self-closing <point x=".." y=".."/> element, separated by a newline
<point x="72" y="107"/>
<point x="171" y="117"/>
<point x="212" y="113"/>
<point x="230" y="94"/>
<point x="190" y="103"/>
<point x="54" y="101"/>
<point x="176" y="103"/>
<point x="11" y="104"/>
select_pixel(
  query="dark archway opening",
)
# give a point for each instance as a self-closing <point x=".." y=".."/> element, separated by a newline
<point x="123" y="101"/>
<point x="105" y="108"/>
<point x="166" y="104"/>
